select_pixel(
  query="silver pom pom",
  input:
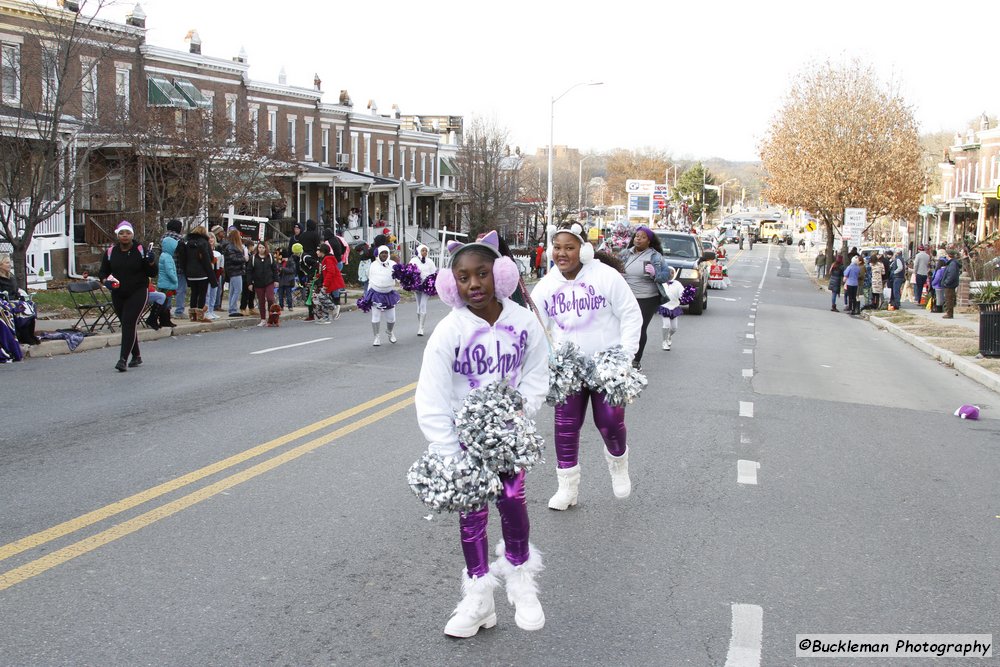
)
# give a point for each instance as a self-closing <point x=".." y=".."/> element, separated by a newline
<point x="452" y="483"/>
<point x="495" y="431"/>
<point x="612" y="374"/>
<point x="568" y="370"/>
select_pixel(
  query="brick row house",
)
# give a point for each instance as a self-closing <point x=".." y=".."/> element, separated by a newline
<point x="158" y="133"/>
<point x="967" y="206"/>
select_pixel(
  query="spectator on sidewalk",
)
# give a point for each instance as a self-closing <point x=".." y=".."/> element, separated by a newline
<point x="236" y="262"/>
<point x="921" y="267"/>
<point x="166" y="277"/>
<point x="174" y="232"/>
<point x="195" y="255"/>
<point x="821" y="265"/>
<point x="852" y="278"/>
<point x="262" y="274"/>
<point x="897" y="276"/>
<point x="877" y="272"/>
<point x="949" y="282"/>
<point x="836" y="279"/>
<point x="936" y="285"/>
<point x="310" y="239"/>
<point x="247" y="296"/>
<point x="213" y="290"/>
<point x="287" y="272"/>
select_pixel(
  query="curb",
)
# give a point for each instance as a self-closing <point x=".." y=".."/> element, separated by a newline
<point x="965" y="367"/>
<point x="58" y="348"/>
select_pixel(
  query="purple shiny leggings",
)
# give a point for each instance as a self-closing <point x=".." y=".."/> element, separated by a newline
<point x="610" y="421"/>
<point x="513" y="523"/>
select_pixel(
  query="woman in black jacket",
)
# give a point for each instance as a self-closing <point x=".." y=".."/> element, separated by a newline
<point x="262" y="273"/>
<point x="195" y="255"/>
<point x="236" y="261"/>
<point x="128" y="267"/>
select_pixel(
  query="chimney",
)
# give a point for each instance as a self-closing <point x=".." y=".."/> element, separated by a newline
<point x="395" y="111"/>
<point x="70" y="6"/>
<point x="242" y="57"/>
<point x="345" y="99"/>
<point x="373" y="107"/>
<point x="282" y="77"/>
<point x="194" y="41"/>
<point x="317" y="82"/>
<point x="136" y="17"/>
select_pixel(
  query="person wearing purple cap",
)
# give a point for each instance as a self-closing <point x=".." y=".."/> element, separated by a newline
<point x="128" y="268"/>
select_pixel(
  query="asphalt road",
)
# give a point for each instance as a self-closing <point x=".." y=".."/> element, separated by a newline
<point x="794" y="471"/>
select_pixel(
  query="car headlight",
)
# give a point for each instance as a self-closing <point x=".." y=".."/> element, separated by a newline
<point x="692" y="274"/>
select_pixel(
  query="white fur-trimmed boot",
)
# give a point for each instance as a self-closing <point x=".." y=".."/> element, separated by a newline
<point x="420" y="324"/>
<point x="569" y="485"/>
<point x="522" y="590"/>
<point x="476" y="610"/>
<point x="620" y="482"/>
<point x="375" y="329"/>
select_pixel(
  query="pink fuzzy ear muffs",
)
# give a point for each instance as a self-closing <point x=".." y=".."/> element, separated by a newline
<point x="505" y="273"/>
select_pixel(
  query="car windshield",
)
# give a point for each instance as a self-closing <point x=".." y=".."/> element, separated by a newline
<point x="679" y="246"/>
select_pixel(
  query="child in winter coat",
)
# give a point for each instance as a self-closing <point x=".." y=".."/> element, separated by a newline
<point x="289" y="269"/>
<point x="486" y="338"/>
<point x="329" y="282"/>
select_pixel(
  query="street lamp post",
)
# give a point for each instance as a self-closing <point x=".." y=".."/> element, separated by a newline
<point x="579" y="187"/>
<point x="722" y="192"/>
<point x="552" y="122"/>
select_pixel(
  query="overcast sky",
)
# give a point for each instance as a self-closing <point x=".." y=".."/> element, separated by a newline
<point x="698" y="79"/>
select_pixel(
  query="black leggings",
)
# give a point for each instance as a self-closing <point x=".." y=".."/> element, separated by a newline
<point x="198" y="290"/>
<point x="648" y="306"/>
<point x="128" y="308"/>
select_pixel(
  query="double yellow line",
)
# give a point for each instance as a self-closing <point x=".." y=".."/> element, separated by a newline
<point x="49" y="561"/>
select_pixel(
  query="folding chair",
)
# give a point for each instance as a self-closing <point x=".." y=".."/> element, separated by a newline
<point x="92" y="305"/>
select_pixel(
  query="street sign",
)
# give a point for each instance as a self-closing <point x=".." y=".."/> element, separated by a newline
<point x="998" y="192"/>
<point x="639" y="187"/>
<point x="811" y="226"/>
<point x="855" y="221"/>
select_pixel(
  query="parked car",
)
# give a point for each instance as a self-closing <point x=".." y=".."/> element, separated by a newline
<point x="684" y="252"/>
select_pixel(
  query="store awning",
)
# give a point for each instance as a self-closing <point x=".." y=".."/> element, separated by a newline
<point x="163" y="94"/>
<point x="448" y="168"/>
<point x="192" y="94"/>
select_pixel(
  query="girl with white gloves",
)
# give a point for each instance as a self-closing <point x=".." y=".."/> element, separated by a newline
<point x="382" y="294"/>
<point x="487" y="337"/>
<point x="427" y="268"/>
<point x="588" y="303"/>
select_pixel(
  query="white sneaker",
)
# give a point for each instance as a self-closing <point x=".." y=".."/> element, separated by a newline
<point x="392" y="337"/>
<point x="666" y="345"/>
<point x="262" y="323"/>
<point x="377" y="341"/>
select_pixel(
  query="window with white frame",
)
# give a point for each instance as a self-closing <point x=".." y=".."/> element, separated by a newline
<point x="324" y="145"/>
<point x="354" y="151"/>
<point x="50" y="75"/>
<point x="413" y="164"/>
<point x="340" y="141"/>
<point x="122" y="77"/>
<point x="208" y="113"/>
<point x="88" y="88"/>
<point x="231" y="115"/>
<point x="10" y="72"/>
<point x="308" y="144"/>
<point x="368" y="153"/>
<point x="291" y="134"/>
<point x="423" y="168"/>
<point x="254" y="116"/>
<point x="272" y="128"/>
<point x="379" y="147"/>
<point x="392" y="158"/>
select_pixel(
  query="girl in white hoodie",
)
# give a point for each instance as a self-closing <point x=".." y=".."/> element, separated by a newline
<point x="671" y="310"/>
<point x="486" y="337"/>
<point x="427" y="268"/>
<point x="382" y="294"/>
<point x="588" y="303"/>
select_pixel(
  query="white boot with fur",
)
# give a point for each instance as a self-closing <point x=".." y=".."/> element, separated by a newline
<point x="476" y="610"/>
<point x="522" y="590"/>
<point x="620" y="482"/>
<point x="569" y="485"/>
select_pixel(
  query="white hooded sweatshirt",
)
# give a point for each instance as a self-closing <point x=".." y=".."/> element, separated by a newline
<point x="426" y="266"/>
<point x="380" y="273"/>
<point x="465" y="353"/>
<point x="674" y="290"/>
<point x="596" y="310"/>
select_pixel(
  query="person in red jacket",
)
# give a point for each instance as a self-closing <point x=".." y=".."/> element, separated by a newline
<point x="540" y="260"/>
<point x="330" y="282"/>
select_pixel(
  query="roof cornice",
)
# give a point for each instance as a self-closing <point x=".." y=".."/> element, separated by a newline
<point x="175" y="57"/>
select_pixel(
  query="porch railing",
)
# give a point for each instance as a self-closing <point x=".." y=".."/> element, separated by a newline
<point x="53" y="225"/>
<point x="99" y="226"/>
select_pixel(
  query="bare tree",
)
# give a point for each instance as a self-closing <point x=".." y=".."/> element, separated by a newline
<point x="843" y="139"/>
<point x="489" y="176"/>
<point x="49" y="119"/>
<point x="645" y="164"/>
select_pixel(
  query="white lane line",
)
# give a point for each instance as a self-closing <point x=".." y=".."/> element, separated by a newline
<point x="753" y="317"/>
<point x="748" y="632"/>
<point x="746" y="472"/>
<point x="751" y="324"/>
<point x="748" y="372"/>
<point x="285" y="347"/>
<point x="726" y="298"/>
<point x="826" y="366"/>
<point x="750" y="336"/>
<point x="744" y="439"/>
<point x="766" y="264"/>
<point x="746" y="409"/>
<point x="747" y="350"/>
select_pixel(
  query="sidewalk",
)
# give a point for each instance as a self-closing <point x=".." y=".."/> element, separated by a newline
<point x="103" y="338"/>
<point x="952" y="342"/>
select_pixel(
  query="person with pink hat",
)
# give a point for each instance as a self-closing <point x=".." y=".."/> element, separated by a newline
<point x="127" y="267"/>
